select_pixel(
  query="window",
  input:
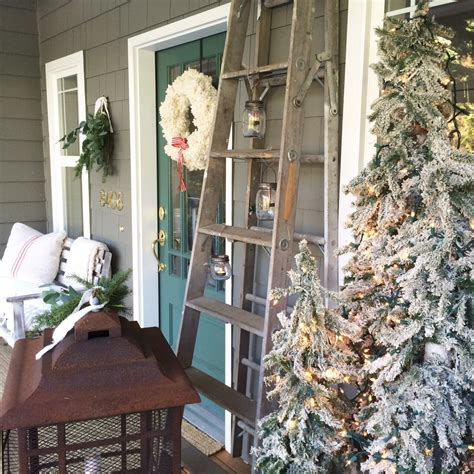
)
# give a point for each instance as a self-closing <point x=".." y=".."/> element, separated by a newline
<point x="408" y="7"/>
<point x="66" y="109"/>
<point x="361" y="87"/>
<point x="459" y="16"/>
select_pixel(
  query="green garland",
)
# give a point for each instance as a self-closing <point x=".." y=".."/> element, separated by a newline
<point x="113" y="290"/>
<point x="97" y="146"/>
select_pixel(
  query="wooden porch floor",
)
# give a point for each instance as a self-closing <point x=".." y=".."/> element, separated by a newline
<point x="195" y="462"/>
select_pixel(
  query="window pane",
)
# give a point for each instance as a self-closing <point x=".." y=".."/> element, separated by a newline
<point x="391" y="5"/>
<point x="68" y="111"/>
<point x="66" y="83"/>
<point x="194" y="183"/>
<point x="460" y="17"/>
<point x="72" y="198"/>
<point x="209" y="67"/>
<point x="173" y="73"/>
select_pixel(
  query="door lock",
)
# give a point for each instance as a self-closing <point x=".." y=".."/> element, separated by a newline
<point x="161" y="265"/>
<point x="161" y="213"/>
<point x="162" y="238"/>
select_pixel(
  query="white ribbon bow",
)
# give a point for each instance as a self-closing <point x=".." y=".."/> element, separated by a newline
<point x="65" y="326"/>
<point x="101" y="106"/>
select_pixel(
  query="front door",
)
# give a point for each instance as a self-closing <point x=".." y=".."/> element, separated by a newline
<point x="177" y="224"/>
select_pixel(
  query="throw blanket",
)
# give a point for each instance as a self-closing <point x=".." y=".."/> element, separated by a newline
<point x="82" y="260"/>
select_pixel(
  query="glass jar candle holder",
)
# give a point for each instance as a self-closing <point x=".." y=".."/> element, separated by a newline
<point x="220" y="267"/>
<point x="254" y="119"/>
<point x="265" y="202"/>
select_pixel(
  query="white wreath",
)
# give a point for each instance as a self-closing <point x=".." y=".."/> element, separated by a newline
<point x="191" y="91"/>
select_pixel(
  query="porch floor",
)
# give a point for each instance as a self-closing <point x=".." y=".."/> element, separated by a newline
<point x="194" y="461"/>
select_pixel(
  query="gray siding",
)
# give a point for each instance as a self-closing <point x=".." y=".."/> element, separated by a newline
<point x="101" y="28"/>
<point x="310" y="202"/>
<point x="22" y="182"/>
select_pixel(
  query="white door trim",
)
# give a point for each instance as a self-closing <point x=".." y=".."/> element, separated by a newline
<point x="141" y="74"/>
<point x="360" y="90"/>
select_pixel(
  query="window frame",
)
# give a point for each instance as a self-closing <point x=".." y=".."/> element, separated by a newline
<point x="72" y="64"/>
<point x="412" y="8"/>
<point x="360" y="91"/>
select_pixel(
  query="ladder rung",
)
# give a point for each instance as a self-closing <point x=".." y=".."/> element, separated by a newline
<point x="253" y="71"/>
<point x="246" y="427"/>
<point x="249" y="154"/>
<point x="229" y="314"/>
<point x="226" y="397"/>
<point x="262" y="155"/>
<point x="313" y="239"/>
<point x="249" y="236"/>
<point x="262" y="301"/>
<point x="250" y="364"/>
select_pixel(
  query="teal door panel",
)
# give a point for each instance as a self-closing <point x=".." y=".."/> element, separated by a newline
<point x="179" y="222"/>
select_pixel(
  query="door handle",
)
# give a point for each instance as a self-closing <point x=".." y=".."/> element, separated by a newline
<point x="161" y="265"/>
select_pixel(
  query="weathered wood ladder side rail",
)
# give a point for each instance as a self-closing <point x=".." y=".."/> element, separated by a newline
<point x="297" y="75"/>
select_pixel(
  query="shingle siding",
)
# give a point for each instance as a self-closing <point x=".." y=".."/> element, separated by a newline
<point x="101" y="29"/>
<point x="22" y="180"/>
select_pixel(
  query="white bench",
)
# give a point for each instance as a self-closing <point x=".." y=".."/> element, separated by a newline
<point x="20" y="293"/>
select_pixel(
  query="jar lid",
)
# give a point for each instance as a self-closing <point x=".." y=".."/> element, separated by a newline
<point x="267" y="185"/>
<point x="254" y="103"/>
<point x="220" y="258"/>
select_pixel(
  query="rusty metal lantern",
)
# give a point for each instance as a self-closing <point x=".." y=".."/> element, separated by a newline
<point x="108" y="398"/>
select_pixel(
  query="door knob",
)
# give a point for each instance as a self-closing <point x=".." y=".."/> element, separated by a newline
<point x="161" y="265"/>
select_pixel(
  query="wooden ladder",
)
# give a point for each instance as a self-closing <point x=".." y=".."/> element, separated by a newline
<point x="297" y="74"/>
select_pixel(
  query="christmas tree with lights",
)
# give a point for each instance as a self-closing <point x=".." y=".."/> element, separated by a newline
<point x="409" y="284"/>
<point x="310" y="357"/>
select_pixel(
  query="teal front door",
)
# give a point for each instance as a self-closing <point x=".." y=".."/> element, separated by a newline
<point x="177" y="224"/>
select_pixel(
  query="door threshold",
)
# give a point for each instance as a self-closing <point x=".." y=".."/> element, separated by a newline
<point x="206" y="421"/>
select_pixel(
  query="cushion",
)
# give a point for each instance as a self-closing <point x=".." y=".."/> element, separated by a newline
<point x="31" y="256"/>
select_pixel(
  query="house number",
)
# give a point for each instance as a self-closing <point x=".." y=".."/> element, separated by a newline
<point x="111" y="199"/>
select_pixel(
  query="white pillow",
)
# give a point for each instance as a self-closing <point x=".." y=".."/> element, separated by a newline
<point x="32" y="256"/>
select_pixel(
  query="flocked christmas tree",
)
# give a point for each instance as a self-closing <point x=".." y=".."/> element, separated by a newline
<point x="309" y="358"/>
<point x="409" y="284"/>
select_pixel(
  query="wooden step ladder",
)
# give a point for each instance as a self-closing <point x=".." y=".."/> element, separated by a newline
<point x="296" y="74"/>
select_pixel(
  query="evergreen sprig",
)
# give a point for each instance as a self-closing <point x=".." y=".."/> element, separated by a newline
<point x="97" y="146"/>
<point x="111" y="290"/>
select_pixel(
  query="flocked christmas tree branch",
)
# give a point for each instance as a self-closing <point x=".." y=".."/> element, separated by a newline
<point x="409" y="285"/>
<point x="309" y="359"/>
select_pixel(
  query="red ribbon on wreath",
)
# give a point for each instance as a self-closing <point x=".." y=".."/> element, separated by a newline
<point x="181" y="144"/>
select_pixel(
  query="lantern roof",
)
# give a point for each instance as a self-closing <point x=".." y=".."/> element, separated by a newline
<point x="106" y="366"/>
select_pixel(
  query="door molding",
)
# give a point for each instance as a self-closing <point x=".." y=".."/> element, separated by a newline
<point x="143" y="149"/>
<point x="142" y="95"/>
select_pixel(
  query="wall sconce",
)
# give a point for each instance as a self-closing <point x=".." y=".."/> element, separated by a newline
<point x="254" y="119"/>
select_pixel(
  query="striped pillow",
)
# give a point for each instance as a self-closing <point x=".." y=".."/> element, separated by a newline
<point x="32" y="256"/>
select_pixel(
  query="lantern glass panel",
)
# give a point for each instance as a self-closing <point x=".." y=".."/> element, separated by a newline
<point x="265" y="201"/>
<point x="220" y="267"/>
<point x="254" y="119"/>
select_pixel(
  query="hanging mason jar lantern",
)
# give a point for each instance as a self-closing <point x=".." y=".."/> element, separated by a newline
<point x="254" y="119"/>
<point x="265" y="201"/>
<point x="220" y="267"/>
